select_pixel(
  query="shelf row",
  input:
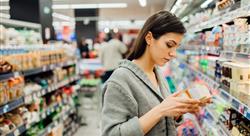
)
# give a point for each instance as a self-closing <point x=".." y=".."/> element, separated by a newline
<point x="234" y="102"/>
<point x="221" y="19"/>
<point x="51" y="88"/>
<point x="221" y="125"/>
<point x="64" y="114"/>
<point x="26" y="99"/>
<point x="37" y="70"/>
<point x="57" y="121"/>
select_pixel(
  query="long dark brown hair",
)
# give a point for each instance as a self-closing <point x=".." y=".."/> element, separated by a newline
<point x="158" y="24"/>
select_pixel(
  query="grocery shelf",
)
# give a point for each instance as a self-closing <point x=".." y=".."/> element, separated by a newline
<point x="225" y="130"/>
<point x="235" y="103"/>
<point x="18" y="131"/>
<point x="236" y="56"/>
<point x="11" y="105"/>
<point x="49" y="89"/>
<point x="9" y="75"/>
<point x="26" y="99"/>
<point x="221" y="19"/>
<point x="47" y="68"/>
<point x="36" y="70"/>
<point x="202" y="48"/>
<point x="57" y="121"/>
<point x="211" y="82"/>
<point x="18" y="23"/>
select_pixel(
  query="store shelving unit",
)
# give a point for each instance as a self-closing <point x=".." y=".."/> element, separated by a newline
<point x="221" y="19"/>
<point x="234" y="102"/>
<point x="51" y="88"/>
<point x="11" y="105"/>
<point x="18" y="23"/>
<point x="21" y="129"/>
<point x="37" y="70"/>
<point x="39" y="93"/>
<point x="57" y="121"/>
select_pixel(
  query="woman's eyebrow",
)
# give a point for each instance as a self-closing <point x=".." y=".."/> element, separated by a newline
<point x="173" y="42"/>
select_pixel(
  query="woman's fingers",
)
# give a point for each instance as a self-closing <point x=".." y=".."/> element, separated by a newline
<point x="176" y="94"/>
<point x="188" y="101"/>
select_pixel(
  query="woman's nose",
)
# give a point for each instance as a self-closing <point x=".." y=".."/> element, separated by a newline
<point x="172" y="54"/>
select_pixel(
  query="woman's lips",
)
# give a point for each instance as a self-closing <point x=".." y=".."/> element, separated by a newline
<point x="166" y="59"/>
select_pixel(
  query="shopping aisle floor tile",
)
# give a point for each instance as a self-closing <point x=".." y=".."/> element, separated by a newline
<point x="93" y="124"/>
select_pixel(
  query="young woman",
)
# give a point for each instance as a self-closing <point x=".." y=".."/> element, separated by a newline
<point x="136" y="99"/>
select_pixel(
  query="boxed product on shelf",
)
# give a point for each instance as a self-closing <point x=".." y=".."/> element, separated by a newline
<point x="31" y="60"/>
<point x="12" y="36"/>
<point x="6" y="126"/>
<point x="223" y="4"/>
<point x="11" y="89"/>
<point x="237" y="77"/>
<point x="5" y="67"/>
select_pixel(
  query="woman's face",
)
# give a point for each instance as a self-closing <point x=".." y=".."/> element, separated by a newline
<point x="163" y="49"/>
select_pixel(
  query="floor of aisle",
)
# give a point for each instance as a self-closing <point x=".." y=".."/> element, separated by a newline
<point x="91" y="114"/>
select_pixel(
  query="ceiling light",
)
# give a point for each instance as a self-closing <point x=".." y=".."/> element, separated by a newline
<point x="112" y="5"/>
<point x="143" y="3"/>
<point x="4" y="0"/>
<point x="106" y="30"/>
<point x="4" y="7"/>
<point x="206" y="3"/>
<point x="2" y="15"/>
<point x="61" y="16"/>
<point x="90" y="6"/>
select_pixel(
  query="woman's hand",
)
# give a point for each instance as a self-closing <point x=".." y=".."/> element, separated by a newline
<point x="174" y="106"/>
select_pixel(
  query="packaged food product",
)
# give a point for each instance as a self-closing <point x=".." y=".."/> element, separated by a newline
<point x="196" y="91"/>
<point x="2" y="93"/>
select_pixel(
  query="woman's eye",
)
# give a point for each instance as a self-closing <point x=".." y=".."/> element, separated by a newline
<point x="169" y="45"/>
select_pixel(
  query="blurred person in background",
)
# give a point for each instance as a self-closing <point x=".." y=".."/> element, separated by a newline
<point x="84" y="48"/>
<point x="111" y="53"/>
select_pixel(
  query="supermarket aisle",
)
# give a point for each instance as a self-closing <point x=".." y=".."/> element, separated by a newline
<point x="90" y="111"/>
<point x="93" y="127"/>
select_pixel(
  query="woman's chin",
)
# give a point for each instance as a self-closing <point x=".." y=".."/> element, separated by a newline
<point x="162" y="63"/>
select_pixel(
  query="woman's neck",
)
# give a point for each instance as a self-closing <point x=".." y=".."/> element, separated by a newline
<point x="145" y="63"/>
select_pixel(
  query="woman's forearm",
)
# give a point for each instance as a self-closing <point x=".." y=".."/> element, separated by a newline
<point x="150" y="119"/>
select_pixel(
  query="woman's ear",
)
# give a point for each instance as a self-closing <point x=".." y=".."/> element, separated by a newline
<point x="149" y="38"/>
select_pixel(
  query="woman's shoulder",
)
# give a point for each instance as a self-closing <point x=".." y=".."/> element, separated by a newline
<point x="120" y="74"/>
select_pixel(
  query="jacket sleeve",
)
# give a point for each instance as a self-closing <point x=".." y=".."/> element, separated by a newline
<point x="119" y="113"/>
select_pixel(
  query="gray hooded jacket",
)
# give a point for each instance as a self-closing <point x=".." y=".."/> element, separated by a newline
<point x="127" y="96"/>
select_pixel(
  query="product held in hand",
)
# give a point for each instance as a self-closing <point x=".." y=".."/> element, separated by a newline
<point x="197" y="91"/>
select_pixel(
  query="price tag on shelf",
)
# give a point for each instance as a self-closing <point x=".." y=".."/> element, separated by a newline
<point x="49" y="129"/>
<point x="235" y="104"/>
<point x="52" y="66"/>
<point x="43" y="115"/>
<point x="16" y="74"/>
<point x="38" y="94"/>
<point x="69" y="62"/>
<point x="52" y="109"/>
<point x="5" y="108"/>
<point x="52" y="88"/>
<point x="17" y="132"/>
<point x="44" y="68"/>
<point x="43" y="92"/>
<point x="49" y="89"/>
<point x="56" y="123"/>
